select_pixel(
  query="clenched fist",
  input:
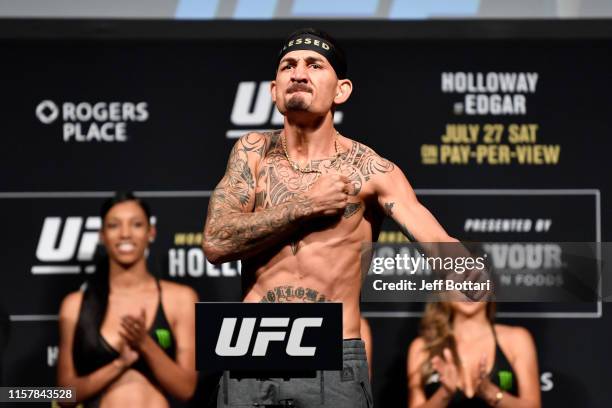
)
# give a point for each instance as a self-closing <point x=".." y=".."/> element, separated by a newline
<point x="329" y="194"/>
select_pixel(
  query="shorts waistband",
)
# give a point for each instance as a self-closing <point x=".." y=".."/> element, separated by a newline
<point x="353" y="349"/>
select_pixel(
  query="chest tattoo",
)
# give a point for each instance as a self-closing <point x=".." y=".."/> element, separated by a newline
<point x="277" y="182"/>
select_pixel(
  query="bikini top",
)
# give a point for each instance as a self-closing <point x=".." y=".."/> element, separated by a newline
<point x="501" y="375"/>
<point x="91" y="351"/>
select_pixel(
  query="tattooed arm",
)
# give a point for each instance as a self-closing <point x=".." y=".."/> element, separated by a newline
<point x="233" y="231"/>
<point x="398" y="199"/>
<point x="396" y="196"/>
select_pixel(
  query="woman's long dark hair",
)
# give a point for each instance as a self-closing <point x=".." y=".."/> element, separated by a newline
<point x="95" y="299"/>
<point x="98" y="286"/>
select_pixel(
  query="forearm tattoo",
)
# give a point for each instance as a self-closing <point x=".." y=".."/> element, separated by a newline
<point x="230" y="227"/>
<point x="285" y="294"/>
<point x="402" y="227"/>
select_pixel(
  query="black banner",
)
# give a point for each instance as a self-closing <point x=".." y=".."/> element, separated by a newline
<point x="504" y="140"/>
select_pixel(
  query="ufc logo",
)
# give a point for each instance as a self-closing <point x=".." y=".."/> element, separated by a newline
<point x="263" y="338"/>
<point x="64" y="243"/>
<point x="57" y="244"/>
<point x="258" y="97"/>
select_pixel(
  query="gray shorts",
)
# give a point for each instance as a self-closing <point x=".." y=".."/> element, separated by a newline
<point x="349" y="388"/>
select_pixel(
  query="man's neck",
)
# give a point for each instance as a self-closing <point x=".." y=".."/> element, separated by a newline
<point x="310" y="142"/>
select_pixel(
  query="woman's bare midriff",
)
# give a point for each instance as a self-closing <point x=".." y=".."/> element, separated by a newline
<point x="133" y="389"/>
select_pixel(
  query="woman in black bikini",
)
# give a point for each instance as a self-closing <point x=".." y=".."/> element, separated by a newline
<point x="128" y="338"/>
<point x="462" y="359"/>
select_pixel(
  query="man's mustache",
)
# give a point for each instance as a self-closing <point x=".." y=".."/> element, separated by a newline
<point x="299" y="88"/>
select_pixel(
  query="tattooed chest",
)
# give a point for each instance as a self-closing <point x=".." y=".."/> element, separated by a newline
<point x="277" y="182"/>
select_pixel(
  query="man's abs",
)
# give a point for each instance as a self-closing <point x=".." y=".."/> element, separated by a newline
<point x="316" y="273"/>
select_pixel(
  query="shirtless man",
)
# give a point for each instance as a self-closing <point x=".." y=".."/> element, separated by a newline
<point x="295" y="205"/>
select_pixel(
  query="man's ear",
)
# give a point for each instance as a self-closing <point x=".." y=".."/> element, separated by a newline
<point x="345" y="87"/>
<point x="273" y="90"/>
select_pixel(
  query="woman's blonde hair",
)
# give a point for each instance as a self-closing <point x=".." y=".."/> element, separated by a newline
<point x="437" y="331"/>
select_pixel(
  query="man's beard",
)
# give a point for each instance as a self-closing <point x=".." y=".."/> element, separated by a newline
<point x="297" y="103"/>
